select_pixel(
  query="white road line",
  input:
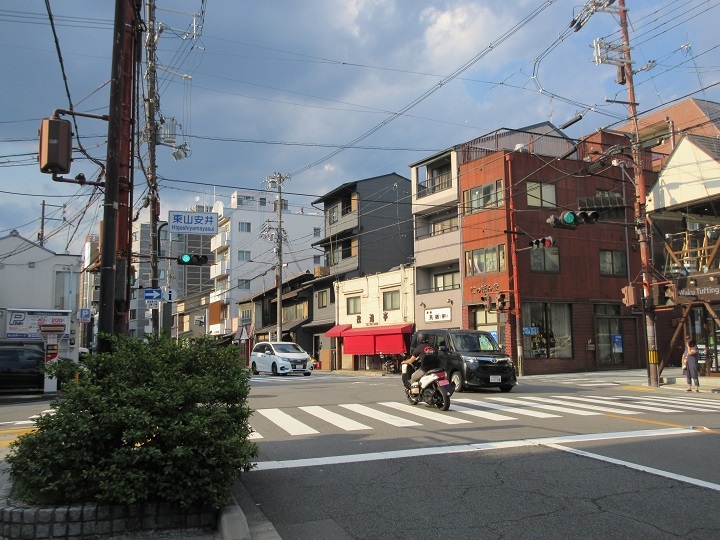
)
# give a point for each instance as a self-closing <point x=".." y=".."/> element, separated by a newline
<point x="255" y="435"/>
<point x="422" y="411"/>
<point x="514" y="410"/>
<point x="689" y="401"/>
<point x="335" y="419"/>
<point x="579" y="412"/>
<point x="379" y="415"/>
<point x="623" y="404"/>
<point x="480" y="414"/>
<point x="455" y="449"/>
<point x="287" y="422"/>
<point x="615" y="410"/>
<point x="650" y="470"/>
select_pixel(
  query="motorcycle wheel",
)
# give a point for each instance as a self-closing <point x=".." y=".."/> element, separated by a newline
<point x="410" y="398"/>
<point x="442" y="399"/>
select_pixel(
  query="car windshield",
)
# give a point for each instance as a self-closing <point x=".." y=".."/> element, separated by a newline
<point x="287" y="348"/>
<point x="472" y="342"/>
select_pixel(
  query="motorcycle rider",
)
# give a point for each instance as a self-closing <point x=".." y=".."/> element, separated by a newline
<point x="427" y="357"/>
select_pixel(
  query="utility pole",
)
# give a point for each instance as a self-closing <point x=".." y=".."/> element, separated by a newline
<point x="276" y="181"/>
<point x="114" y="260"/>
<point x="151" y="137"/>
<point x="621" y="57"/>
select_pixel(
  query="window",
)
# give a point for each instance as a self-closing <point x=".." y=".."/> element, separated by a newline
<point x="547" y="330"/>
<point x="613" y="263"/>
<point x="243" y="284"/>
<point x="133" y="314"/>
<point x="332" y="214"/>
<point x="322" y="298"/>
<point x="391" y="300"/>
<point x="446" y="282"/>
<point x="484" y="260"/>
<point x="243" y="227"/>
<point x="294" y="312"/>
<point x="262" y="202"/>
<point x="246" y="316"/>
<point x="444" y="225"/>
<point x="63" y="290"/>
<point x="243" y="256"/>
<point x="485" y="196"/>
<point x="539" y="194"/>
<point x="545" y="260"/>
<point x="317" y="260"/>
<point x="353" y="305"/>
<point x="316" y="232"/>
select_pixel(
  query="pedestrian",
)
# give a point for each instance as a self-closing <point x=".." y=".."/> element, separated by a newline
<point x="691" y="366"/>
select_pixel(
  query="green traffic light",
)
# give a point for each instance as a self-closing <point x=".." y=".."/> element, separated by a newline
<point x="568" y="217"/>
<point x="185" y="258"/>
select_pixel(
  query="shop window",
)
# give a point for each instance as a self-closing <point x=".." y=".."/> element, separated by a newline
<point x="547" y="330"/>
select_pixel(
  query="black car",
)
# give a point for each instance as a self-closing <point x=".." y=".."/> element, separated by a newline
<point x="20" y="365"/>
<point x="472" y="359"/>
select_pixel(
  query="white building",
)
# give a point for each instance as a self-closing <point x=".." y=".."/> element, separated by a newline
<point x="39" y="290"/>
<point x="245" y="251"/>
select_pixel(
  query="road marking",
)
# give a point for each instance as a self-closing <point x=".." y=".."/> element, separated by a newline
<point x="515" y="410"/>
<point x="455" y="449"/>
<point x="547" y="407"/>
<point x="481" y="414"/>
<point x="379" y="415"/>
<point x="334" y="418"/>
<point x="687" y="401"/>
<point x="615" y="410"/>
<point x="624" y="404"/>
<point x="650" y="470"/>
<point x="422" y="411"/>
<point x="287" y="422"/>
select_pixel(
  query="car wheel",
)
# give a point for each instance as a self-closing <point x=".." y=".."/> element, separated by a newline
<point x="506" y="387"/>
<point x="457" y="380"/>
<point x="274" y="369"/>
<point x="253" y="368"/>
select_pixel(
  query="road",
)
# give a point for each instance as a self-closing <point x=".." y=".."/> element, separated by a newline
<point x="559" y="457"/>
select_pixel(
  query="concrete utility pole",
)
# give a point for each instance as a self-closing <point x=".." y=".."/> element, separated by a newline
<point x="621" y="57"/>
<point x="276" y="181"/>
<point x="151" y="135"/>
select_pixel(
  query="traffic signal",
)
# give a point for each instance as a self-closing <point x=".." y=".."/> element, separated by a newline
<point x="571" y="219"/>
<point x="502" y="302"/>
<point x="483" y="304"/>
<point x="669" y="294"/>
<point x="132" y="276"/>
<point x="629" y="296"/>
<point x="186" y="259"/>
<point x="542" y="243"/>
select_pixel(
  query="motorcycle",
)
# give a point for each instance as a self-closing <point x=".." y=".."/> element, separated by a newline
<point x="391" y="366"/>
<point x="433" y="389"/>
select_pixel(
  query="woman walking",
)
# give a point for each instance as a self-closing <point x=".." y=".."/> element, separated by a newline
<point x="691" y="366"/>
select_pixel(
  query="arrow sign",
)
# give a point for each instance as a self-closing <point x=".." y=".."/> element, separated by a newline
<point x="153" y="294"/>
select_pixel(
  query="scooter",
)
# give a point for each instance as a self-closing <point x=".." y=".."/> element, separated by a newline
<point x="433" y="389"/>
<point x="391" y="366"/>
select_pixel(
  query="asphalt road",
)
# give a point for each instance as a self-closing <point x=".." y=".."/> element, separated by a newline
<point x="592" y="455"/>
<point x="575" y="456"/>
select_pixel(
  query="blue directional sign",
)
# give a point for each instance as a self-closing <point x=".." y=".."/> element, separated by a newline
<point x="153" y="294"/>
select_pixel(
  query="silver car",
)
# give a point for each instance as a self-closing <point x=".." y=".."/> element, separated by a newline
<point x="280" y="357"/>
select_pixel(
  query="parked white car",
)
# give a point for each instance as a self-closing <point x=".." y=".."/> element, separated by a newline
<point x="280" y="357"/>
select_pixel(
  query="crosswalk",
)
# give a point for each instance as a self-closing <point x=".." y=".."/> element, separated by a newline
<point x="352" y="417"/>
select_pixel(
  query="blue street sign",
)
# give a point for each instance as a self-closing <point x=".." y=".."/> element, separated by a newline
<point x="84" y="315"/>
<point x="153" y="294"/>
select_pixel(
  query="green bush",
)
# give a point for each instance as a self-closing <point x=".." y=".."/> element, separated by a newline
<point x="156" y="421"/>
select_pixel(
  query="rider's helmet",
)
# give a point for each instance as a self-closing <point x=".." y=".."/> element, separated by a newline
<point x="421" y="337"/>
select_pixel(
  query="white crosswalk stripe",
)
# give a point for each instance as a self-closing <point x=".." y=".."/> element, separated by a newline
<point x="624" y="404"/>
<point x="467" y="410"/>
<point x="567" y="410"/>
<point x="505" y="408"/>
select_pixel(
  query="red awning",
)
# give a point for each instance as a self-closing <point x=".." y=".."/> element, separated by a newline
<point x="376" y="339"/>
<point x="336" y="331"/>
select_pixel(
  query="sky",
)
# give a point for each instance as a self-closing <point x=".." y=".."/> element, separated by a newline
<point x="325" y="91"/>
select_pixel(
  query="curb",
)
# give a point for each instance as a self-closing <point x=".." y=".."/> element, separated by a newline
<point x="232" y="524"/>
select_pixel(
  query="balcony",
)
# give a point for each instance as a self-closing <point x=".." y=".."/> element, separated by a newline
<point x="220" y="241"/>
<point x="435" y="185"/>
<point x="223" y="296"/>
<point x="220" y="269"/>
